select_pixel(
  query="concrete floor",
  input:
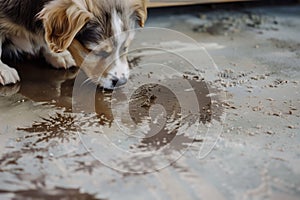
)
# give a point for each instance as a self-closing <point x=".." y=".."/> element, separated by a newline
<point x="246" y="83"/>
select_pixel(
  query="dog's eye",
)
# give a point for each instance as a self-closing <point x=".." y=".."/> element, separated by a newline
<point x="103" y="54"/>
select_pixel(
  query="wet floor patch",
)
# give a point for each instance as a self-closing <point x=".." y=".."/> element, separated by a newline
<point x="80" y="138"/>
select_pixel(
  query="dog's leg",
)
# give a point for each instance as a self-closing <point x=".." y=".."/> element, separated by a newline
<point x="8" y="75"/>
<point x="59" y="60"/>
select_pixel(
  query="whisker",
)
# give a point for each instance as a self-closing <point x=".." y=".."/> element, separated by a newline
<point x="88" y="80"/>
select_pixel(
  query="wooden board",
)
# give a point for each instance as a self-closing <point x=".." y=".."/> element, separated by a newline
<point x="166" y="3"/>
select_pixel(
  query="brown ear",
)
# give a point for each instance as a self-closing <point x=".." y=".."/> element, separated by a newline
<point x="140" y="8"/>
<point x="62" y="21"/>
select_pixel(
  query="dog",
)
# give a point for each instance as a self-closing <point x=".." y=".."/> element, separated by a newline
<point x="64" y="32"/>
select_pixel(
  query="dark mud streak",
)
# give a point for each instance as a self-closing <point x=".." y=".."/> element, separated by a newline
<point x="147" y="96"/>
<point x="9" y="162"/>
<point x="61" y="127"/>
<point x="47" y="194"/>
<point x="134" y="62"/>
<point x="89" y="168"/>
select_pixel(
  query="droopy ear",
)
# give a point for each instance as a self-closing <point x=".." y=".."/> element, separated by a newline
<point x="62" y="21"/>
<point x="140" y="8"/>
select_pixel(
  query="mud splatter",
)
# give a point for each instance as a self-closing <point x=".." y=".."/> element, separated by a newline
<point x="49" y="194"/>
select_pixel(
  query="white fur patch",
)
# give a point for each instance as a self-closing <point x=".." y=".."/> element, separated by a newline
<point x="117" y="23"/>
<point x="120" y="69"/>
<point x="8" y="75"/>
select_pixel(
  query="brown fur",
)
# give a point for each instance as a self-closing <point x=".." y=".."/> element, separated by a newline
<point x="62" y="21"/>
<point x="68" y="30"/>
<point x="64" y="18"/>
<point x="140" y="8"/>
<point x="78" y="52"/>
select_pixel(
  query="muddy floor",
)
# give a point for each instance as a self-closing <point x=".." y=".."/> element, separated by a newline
<point x="215" y="120"/>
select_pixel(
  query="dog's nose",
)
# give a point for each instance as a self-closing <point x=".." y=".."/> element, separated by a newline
<point x="119" y="82"/>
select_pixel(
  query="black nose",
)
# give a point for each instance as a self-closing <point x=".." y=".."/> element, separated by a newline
<point x="119" y="82"/>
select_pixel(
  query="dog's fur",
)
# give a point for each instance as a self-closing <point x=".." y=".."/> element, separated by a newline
<point x="66" y="31"/>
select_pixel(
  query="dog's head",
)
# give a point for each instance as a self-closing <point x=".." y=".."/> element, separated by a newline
<point x="96" y="27"/>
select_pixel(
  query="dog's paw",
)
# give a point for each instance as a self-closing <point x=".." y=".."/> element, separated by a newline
<point x="8" y="75"/>
<point x="6" y="91"/>
<point x="60" y="60"/>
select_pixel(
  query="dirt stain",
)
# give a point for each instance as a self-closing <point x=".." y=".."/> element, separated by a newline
<point x="47" y="194"/>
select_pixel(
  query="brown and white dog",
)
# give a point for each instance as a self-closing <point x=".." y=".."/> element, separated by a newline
<point x="66" y="31"/>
